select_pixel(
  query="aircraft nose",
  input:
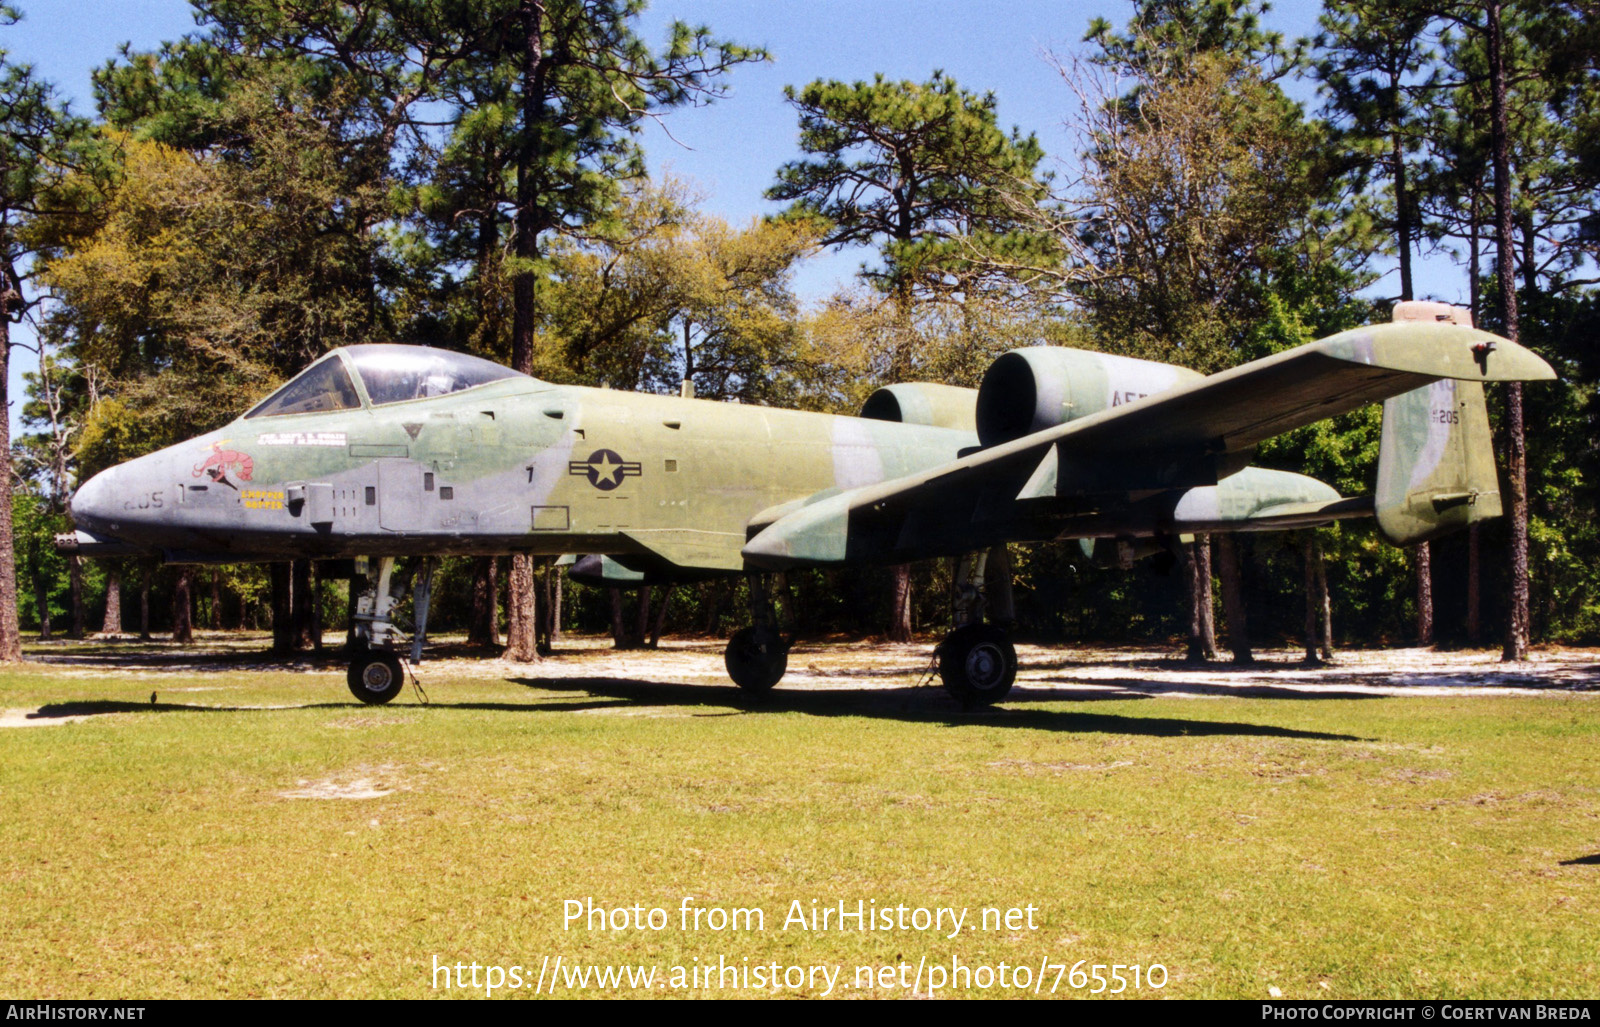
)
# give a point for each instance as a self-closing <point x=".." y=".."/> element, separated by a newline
<point x="93" y="504"/>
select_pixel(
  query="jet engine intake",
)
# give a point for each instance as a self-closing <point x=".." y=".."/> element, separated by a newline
<point x="1029" y="390"/>
<point x="941" y="406"/>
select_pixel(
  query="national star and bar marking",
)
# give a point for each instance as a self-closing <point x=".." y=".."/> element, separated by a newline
<point x="605" y="469"/>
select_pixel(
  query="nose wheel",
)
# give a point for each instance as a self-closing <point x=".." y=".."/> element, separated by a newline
<point x="375" y="676"/>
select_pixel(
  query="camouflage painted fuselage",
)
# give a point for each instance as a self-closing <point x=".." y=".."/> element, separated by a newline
<point x="515" y="466"/>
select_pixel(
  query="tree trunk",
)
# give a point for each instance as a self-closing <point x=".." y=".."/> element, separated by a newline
<point x="522" y="629"/>
<point x="618" y="628"/>
<point x="41" y="599"/>
<point x="1424" y="566"/>
<point x="1474" y="300"/>
<point x="526" y="224"/>
<point x="75" y="586"/>
<point x="182" y="617"/>
<point x="1474" y="586"/>
<point x="1516" y="641"/>
<point x="641" y="624"/>
<point x="900" y="612"/>
<point x="485" y="627"/>
<point x="144" y="606"/>
<point x="1402" y="214"/>
<point x="1474" y="542"/>
<point x="112" y="624"/>
<point x="555" y="603"/>
<point x="10" y="632"/>
<point x="357" y="584"/>
<point x="216" y="599"/>
<point x="1324" y="601"/>
<point x="301" y="603"/>
<point x="282" y="609"/>
<point x="1233" y="606"/>
<point x="1313" y="602"/>
<point x="661" y="616"/>
<point x="316" y="608"/>
<point x="1197" y="577"/>
<point x="545" y="635"/>
<point x="522" y="643"/>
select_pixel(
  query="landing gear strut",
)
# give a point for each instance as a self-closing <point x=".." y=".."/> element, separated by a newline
<point x="757" y="656"/>
<point x="376" y="674"/>
<point x="977" y="661"/>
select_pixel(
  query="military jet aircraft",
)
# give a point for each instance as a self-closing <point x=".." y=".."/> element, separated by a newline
<point x="382" y="452"/>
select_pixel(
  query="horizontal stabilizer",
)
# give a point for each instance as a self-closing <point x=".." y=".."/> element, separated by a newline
<point x="1259" y="499"/>
<point x="1310" y="515"/>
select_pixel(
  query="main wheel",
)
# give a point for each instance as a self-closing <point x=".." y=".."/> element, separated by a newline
<point x="756" y="659"/>
<point x="375" y="676"/>
<point x="977" y="664"/>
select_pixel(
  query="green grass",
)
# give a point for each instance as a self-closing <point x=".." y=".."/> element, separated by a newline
<point x="1328" y="847"/>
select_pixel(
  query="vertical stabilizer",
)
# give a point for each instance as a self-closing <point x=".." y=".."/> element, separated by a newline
<point x="1436" y="468"/>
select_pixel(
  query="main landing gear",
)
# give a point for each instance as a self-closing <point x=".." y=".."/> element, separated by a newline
<point x="757" y="656"/>
<point x="376" y="674"/>
<point x="977" y="661"/>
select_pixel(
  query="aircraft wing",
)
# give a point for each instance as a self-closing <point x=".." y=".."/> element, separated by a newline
<point x="1187" y="437"/>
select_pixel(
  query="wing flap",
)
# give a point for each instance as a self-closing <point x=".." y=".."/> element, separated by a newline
<point x="692" y="550"/>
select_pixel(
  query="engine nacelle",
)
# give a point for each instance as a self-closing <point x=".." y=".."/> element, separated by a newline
<point x="942" y="406"/>
<point x="1028" y="390"/>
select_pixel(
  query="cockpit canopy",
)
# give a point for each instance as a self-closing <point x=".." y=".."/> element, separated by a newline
<point x="389" y="373"/>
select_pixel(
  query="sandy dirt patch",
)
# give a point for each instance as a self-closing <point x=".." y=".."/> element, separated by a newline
<point x="356" y="783"/>
<point x="32" y="718"/>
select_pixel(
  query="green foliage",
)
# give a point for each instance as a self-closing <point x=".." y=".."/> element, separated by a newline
<point x="41" y="572"/>
<point x="923" y="172"/>
<point x="1202" y="185"/>
<point x="913" y="167"/>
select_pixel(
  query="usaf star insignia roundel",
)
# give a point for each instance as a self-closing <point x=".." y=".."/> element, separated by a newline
<point x="605" y="469"/>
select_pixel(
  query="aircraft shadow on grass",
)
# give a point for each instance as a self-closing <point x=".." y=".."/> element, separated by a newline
<point x="1583" y="861"/>
<point x="910" y="704"/>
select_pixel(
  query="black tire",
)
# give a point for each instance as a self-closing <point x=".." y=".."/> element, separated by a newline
<point x="375" y="676"/>
<point x="756" y="659"/>
<point x="978" y="664"/>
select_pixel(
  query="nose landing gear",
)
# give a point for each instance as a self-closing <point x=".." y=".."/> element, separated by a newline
<point x="376" y="674"/>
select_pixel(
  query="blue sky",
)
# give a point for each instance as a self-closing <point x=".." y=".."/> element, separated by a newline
<point x="731" y="149"/>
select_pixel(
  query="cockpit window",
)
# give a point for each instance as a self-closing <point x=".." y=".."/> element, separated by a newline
<point x="394" y="374"/>
<point x="321" y="387"/>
